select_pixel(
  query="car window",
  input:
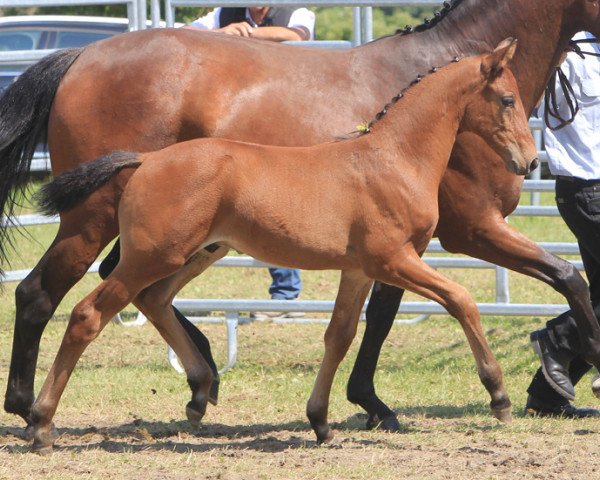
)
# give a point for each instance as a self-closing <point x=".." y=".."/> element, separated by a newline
<point x="19" y="40"/>
<point x="78" y="39"/>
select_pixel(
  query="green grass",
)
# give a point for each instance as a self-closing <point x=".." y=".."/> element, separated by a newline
<point x="122" y="414"/>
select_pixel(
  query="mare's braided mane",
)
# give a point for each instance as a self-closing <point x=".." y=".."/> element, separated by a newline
<point x="438" y="16"/>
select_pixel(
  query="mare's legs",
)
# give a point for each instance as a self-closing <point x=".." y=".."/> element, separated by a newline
<point x="352" y="292"/>
<point x="495" y="241"/>
<point x="412" y="273"/>
<point x="499" y="243"/>
<point x="74" y="249"/>
<point x="381" y="311"/>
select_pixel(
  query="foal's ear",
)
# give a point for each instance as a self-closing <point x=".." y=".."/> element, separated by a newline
<point x="493" y="63"/>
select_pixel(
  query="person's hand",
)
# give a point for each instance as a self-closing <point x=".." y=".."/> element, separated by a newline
<point x="241" y="29"/>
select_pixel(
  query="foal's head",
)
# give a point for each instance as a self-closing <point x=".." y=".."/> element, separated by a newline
<point x="496" y="114"/>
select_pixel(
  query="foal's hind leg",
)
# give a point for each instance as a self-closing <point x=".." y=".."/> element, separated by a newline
<point x="72" y="252"/>
<point x="155" y="302"/>
<point x="352" y="292"/>
<point x="410" y="272"/>
<point x="88" y="319"/>
<point x="207" y="256"/>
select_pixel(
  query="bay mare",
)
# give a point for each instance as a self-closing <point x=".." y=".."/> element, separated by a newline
<point x="142" y="91"/>
<point x="373" y="209"/>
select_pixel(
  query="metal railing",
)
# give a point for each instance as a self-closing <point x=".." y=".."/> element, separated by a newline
<point x="363" y="31"/>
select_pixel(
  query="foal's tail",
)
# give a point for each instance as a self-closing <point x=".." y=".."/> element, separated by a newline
<point x="24" y="111"/>
<point x="72" y="187"/>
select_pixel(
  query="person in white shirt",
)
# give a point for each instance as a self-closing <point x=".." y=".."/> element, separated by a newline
<point x="574" y="158"/>
<point x="277" y="24"/>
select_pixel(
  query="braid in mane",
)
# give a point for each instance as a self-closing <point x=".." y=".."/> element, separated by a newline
<point x="430" y="22"/>
<point x="366" y="128"/>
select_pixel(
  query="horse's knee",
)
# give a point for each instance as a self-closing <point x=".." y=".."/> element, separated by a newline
<point x="34" y="306"/>
<point x="460" y="304"/>
<point x="568" y="279"/>
<point x="84" y="324"/>
<point x="340" y="336"/>
<point x="152" y="300"/>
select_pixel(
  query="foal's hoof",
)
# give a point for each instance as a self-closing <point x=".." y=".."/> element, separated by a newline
<point x="194" y="415"/>
<point x="213" y="394"/>
<point x="503" y="414"/>
<point x="387" y="424"/>
<point x="43" y="441"/>
<point x="29" y="432"/>
<point x="596" y="385"/>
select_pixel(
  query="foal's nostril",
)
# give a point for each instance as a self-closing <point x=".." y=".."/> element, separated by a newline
<point x="534" y="164"/>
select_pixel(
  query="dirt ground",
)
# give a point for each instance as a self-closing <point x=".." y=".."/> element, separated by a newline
<point x="428" y="448"/>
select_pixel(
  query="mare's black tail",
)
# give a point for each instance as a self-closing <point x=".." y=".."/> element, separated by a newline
<point x="72" y="187"/>
<point x="24" y="111"/>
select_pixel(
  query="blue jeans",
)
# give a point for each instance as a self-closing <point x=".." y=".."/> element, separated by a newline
<point x="286" y="284"/>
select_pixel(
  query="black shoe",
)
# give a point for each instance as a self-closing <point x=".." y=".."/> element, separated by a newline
<point x="555" y="364"/>
<point x="535" y="408"/>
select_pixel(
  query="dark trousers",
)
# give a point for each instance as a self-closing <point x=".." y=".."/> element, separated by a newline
<point x="579" y="205"/>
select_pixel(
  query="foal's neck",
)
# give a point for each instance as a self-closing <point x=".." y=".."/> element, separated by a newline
<point x="422" y="125"/>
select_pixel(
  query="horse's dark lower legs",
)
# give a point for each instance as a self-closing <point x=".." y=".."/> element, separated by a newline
<point x="33" y="311"/>
<point x="199" y="339"/>
<point x="381" y="311"/>
<point x="37" y="297"/>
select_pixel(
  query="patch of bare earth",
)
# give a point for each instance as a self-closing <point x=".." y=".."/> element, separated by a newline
<point x="428" y="448"/>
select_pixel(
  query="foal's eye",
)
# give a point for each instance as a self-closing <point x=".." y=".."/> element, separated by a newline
<point x="508" y="101"/>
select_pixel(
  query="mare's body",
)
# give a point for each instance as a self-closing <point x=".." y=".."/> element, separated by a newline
<point x="215" y="191"/>
<point x="145" y="90"/>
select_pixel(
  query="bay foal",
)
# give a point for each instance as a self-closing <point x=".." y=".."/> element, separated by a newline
<point x="373" y="209"/>
<point x="142" y="91"/>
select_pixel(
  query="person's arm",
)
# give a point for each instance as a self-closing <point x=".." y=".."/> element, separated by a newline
<point x="301" y="26"/>
<point x="279" y="34"/>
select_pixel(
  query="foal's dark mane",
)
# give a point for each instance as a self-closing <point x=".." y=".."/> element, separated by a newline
<point x="366" y="128"/>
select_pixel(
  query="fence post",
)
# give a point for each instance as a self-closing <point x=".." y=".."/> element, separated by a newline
<point x="367" y="24"/>
<point x="357" y="28"/>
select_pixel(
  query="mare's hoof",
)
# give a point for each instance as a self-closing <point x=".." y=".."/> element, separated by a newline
<point x="387" y="424"/>
<point x="596" y="385"/>
<point x="194" y="415"/>
<point x="503" y="414"/>
<point x="43" y="451"/>
<point x="213" y="394"/>
<point x="324" y="435"/>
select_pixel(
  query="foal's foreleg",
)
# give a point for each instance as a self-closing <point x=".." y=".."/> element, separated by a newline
<point x="353" y="290"/>
<point x="496" y="241"/>
<point x="155" y="302"/>
<point x="87" y="320"/>
<point x="411" y="272"/>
